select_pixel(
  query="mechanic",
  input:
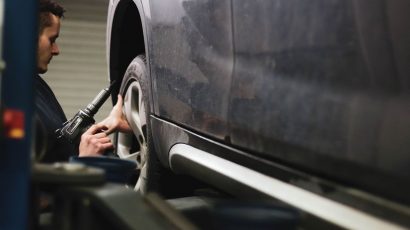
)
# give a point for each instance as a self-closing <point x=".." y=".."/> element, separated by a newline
<point x="49" y="114"/>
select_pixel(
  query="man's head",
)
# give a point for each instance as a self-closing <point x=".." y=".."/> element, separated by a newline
<point x="49" y="30"/>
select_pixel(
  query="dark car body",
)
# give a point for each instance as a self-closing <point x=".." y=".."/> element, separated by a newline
<point x="314" y="93"/>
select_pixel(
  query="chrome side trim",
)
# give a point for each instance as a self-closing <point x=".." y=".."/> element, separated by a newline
<point x="329" y="210"/>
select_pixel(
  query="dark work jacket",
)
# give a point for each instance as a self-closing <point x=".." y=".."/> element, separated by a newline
<point x="49" y="116"/>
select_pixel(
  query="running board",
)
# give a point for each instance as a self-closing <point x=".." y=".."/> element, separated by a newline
<point x="192" y="161"/>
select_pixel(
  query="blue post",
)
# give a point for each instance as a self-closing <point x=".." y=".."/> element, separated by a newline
<point x="19" y="54"/>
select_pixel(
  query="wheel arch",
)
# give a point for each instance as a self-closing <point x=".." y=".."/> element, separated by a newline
<point x="126" y="38"/>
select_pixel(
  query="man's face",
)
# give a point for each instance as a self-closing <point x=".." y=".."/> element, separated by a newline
<point x="47" y="46"/>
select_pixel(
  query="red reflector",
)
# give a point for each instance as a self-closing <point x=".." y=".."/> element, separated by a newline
<point x="13" y="123"/>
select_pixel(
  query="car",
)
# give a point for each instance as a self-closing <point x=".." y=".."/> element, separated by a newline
<point x="306" y="102"/>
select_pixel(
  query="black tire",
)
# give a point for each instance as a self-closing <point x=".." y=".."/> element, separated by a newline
<point x="156" y="178"/>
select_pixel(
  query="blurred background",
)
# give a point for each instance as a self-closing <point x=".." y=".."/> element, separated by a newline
<point x="80" y="71"/>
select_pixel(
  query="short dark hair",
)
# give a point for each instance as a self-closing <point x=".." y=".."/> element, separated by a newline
<point x="45" y="8"/>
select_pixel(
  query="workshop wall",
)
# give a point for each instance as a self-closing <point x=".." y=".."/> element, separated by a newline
<point x="80" y="71"/>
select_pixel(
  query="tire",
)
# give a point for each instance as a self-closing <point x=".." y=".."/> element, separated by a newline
<point x="139" y="146"/>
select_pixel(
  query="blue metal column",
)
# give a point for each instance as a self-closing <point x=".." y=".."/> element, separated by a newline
<point x="19" y="52"/>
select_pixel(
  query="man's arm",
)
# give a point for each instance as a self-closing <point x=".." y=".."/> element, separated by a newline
<point x="95" y="141"/>
<point x="116" y="121"/>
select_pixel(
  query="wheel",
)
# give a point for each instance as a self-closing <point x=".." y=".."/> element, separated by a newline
<point x="139" y="145"/>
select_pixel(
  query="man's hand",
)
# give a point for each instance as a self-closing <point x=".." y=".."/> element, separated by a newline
<point x="95" y="141"/>
<point x="116" y="121"/>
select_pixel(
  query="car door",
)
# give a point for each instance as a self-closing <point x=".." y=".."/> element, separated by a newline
<point x="191" y="61"/>
<point x="316" y="85"/>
